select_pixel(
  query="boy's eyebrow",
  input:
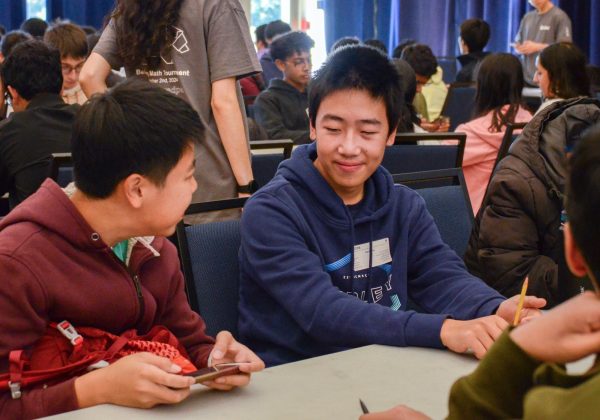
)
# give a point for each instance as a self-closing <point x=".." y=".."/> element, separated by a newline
<point x="332" y="117"/>
<point x="372" y="121"/>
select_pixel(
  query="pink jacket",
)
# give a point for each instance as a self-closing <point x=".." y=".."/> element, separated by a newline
<point x="54" y="267"/>
<point x="480" y="153"/>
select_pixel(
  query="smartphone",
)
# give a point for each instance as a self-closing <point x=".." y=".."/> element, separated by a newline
<point x="216" y="371"/>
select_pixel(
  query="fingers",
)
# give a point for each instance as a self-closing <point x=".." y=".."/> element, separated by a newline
<point x="534" y="302"/>
<point x="222" y="343"/>
<point x="162" y="363"/>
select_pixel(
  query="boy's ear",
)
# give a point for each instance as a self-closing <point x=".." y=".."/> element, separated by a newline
<point x="280" y="65"/>
<point x="392" y="137"/>
<point x="132" y="189"/>
<point x="313" y="131"/>
<point x="573" y="255"/>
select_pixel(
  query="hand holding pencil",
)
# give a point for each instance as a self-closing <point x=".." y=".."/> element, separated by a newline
<point x="520" y="307"/>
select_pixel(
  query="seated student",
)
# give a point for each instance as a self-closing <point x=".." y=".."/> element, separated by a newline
<point x="497" y="103"/>
<point x="41" y="122"/>
<point x="409" y="120"/>
<point x="523" y="375"/>
<point x="71" y="41"/>
<point x="282" y="109"/>
<point x="429" y="75"/>
<point x="98" y="257"/>
<point x="10" y="40"/>
<point x="517" y="232"/>
<point x="270" y="69"/>
<point x="474" y="36"/>
<point x="309" y="283"/>
<point x="561" y="73"/>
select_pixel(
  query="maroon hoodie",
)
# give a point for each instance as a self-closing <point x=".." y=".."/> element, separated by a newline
<point x="54" y="267"/>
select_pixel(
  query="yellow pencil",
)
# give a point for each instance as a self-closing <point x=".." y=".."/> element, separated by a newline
<point x="521" y="300"/>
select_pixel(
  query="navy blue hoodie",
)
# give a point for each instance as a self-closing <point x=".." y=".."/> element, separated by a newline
<point x="309" y="285"/>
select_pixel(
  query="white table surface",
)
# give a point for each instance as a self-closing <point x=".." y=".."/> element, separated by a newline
<point x="326" y="387"/>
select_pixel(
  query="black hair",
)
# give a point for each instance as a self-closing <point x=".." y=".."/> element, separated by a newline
<point x="135" y="127"/>
<point x="358" y="67"/>
<point x="421" y="59"/>
<point x="277" y="27"/>
<point x="499" y="82"/>
<point x="259" y="32"/>
<point x="566" y="66"/>
<point x="409" y="86"/>
<point x="377" y="44"/>
<point x="286" y="45"/>
<point x="31" y="68"/>
<point x="475" y="33"/>
<point x="11" y="39"/>
<point x="583" y="198"/>
<point x="35" y="26"/>
<point x="342" y="42"/>
<point x="397" y="53"/>
<point x="2" y="30"/>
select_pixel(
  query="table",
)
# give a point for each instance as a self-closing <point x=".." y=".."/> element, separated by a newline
<point x="326" y="387"/>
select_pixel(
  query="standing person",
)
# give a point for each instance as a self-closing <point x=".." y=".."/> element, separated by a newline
<point x="282" y="109"/>
<point x="539" y="28"/>
<point x="497" y="103"/>
<point x="196" y="49"/>
<point x="474" y="36"/>
<point x="262" y="46"/>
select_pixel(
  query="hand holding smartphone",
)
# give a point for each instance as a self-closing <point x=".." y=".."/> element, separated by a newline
<point x="216" y="371"/>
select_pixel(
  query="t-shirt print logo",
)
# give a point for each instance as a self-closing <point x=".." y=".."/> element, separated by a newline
<point x="180" y="44"/>
<point x="544" y="28"/>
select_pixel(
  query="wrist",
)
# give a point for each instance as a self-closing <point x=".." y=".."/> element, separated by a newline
<point x="89" y="390"/>
<point x="248" y="188"/>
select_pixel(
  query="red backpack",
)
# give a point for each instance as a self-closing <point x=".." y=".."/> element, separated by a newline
<point x="63" y="353"/>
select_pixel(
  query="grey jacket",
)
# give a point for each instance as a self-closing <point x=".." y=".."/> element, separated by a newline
<point x="517" y="231"/>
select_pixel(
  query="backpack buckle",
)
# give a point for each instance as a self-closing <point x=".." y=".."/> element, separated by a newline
<point x="15" y="390"/>
<point x="70" y="332"/>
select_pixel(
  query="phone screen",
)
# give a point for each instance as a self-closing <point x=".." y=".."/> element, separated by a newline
<point x="211" y="373"/>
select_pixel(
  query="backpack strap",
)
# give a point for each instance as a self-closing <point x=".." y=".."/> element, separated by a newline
<point x="16" y="362"/>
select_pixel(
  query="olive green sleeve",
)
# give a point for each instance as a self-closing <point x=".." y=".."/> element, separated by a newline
<point x="497" y="387"/>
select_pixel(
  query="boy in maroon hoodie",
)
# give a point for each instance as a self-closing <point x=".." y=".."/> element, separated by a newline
<point x="97" y="256"/>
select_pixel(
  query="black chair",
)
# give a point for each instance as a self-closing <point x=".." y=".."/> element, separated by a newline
<point x="61" y="168"/>
<point x="264" y="165"/>
<point x="460" y="103"/>
<point x="406" y="156"/>
<point x="209" y="259"/>
<point x="507" y="141"/>
<point x="448" y="65"/>
<point x="445" y="194"/>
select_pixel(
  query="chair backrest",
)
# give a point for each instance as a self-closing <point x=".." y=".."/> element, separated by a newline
<point x="406" y="156"/>
<point x="448" y="65"/>
<point x="507" y="141"/>
<point x="264" y="165"/>
<point x="447" y="199"/>
<point x="61" y="168"/>
<point x="209" y="259"/>
<point x="460" y="103"/>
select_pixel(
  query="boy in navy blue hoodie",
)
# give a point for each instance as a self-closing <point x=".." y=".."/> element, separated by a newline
<point x="332" y="250"/>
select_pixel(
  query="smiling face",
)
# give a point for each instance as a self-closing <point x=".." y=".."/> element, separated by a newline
<point x="351" y="132"/>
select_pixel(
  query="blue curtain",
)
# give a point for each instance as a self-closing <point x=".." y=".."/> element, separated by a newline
<point x="82" y="12"/>
<point x="12" y="13"/>
<point x="437" y="22"/>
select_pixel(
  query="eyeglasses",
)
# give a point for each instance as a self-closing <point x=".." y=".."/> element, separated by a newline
<point x="68" y="69"/>
<point x="302" y="62"/>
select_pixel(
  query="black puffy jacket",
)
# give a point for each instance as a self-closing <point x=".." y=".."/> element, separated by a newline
<point x="517" y="231"/>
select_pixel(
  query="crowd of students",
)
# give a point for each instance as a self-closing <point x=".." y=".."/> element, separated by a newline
<point x="333" y="254"/>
